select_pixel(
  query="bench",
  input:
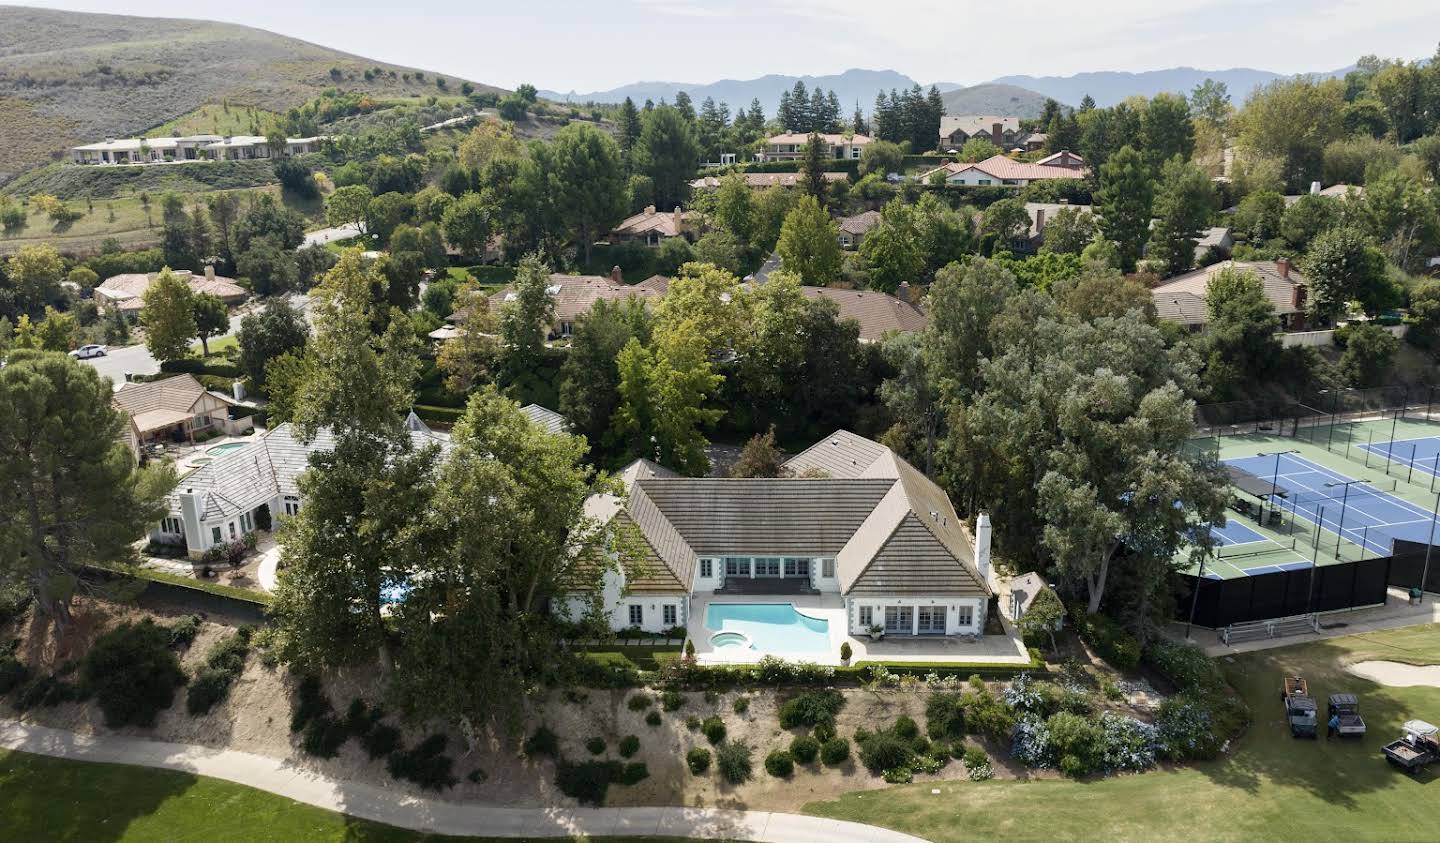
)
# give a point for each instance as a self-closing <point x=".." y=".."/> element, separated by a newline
<point x="1271" y="628"/>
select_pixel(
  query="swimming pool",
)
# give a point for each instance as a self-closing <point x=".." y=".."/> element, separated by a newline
<point x="767" y="627"/>
<point x="222" y="450"/>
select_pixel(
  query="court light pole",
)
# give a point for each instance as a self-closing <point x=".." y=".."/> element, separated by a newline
<point x="1274" y="478"/>
<point x="1344" y="499"/>
<point x="1425" y="569"/>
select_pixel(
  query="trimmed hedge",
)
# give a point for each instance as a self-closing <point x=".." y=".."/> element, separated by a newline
<point x="195" y="366"/>
<point x="446" y="415"/>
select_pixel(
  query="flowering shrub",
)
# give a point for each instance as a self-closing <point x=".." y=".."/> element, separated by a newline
<point x="1024" y="695"/>
<point x="1127" y="743"/>
<point x="899" y="775"/>
<point x="1030" y="744"/>
<point x="1186" y="729"/>
<point x="1185" y="665"/>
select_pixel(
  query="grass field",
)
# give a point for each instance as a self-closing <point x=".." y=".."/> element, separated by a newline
<point x="213" y="119"/>
<point x="1272" y="787"/>
<point x="49" y="799"/>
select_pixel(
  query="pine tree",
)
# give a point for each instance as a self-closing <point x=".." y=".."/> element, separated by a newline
<point x="799" y="109"/>
<point x="1087" y="103"/>
<point x="1124" y="203"/>
<point x="934" y="111"/>
<point x="685" y="106"/>
<point x="785" y="112"/>
<point x="629" y="127"/>
<point x="857" y="123"/>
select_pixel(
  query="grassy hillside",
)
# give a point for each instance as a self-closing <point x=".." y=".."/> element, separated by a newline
<point x="68" y="78"/>
<point x="1005" y="100"/>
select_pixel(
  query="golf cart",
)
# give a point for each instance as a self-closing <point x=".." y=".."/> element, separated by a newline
<point x="1417" y="747"/>
<point x="1300" y="709"/>
<point x="1347" y="708"/>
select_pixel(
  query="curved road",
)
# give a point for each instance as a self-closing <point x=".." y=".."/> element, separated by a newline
<point x="436" y="816"/>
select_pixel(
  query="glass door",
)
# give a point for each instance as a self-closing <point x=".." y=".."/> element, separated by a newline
<point x="899" y="619"/>
<point x="931" y="620"/>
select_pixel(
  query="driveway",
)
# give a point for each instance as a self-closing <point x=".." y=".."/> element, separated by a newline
<point x="328" y="235"/>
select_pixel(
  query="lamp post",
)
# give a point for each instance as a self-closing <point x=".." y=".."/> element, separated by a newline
<point x="1344" y="499"/>
<point x="1274" y="478"/>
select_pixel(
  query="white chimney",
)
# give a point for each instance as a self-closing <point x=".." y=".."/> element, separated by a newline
<point x="210" y="272"/>
<point x="1315" y="188"/>
<point x="982" y="546"/>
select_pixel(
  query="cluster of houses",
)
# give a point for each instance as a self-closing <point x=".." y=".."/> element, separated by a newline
<point x="190" y="148"/>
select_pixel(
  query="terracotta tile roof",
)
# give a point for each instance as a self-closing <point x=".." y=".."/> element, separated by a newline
<point x="127" y="291"/>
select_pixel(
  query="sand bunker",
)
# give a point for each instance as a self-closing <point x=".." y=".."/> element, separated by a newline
<point x="1397" y="674"/>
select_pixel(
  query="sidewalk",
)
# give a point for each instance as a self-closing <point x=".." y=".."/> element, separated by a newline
<point x="436" y="816"/>
<point x="1396" y="613"/>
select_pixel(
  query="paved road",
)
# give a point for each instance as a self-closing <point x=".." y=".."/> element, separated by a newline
<point x="437" y="816"/>
<point x="327" y="235"/>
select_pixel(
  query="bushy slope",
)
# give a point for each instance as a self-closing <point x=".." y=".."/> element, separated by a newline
<point x="1001" y="100"/>
<point x="68" y="77"/>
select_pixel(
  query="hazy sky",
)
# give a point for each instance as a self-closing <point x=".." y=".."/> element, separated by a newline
<point x="585" y="46"/>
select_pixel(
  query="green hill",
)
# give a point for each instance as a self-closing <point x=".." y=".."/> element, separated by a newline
<point x="68" y="78"/>
<point x="1006" y="100"/>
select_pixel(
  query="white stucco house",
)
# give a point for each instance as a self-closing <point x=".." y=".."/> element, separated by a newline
<point x="855" y="535"/>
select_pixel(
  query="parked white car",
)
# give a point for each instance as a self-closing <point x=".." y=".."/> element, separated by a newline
<point x="85" y="352"/>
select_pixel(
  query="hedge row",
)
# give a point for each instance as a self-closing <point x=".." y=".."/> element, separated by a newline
<point x="195" y="366"/>
<point x="447" y="415"/>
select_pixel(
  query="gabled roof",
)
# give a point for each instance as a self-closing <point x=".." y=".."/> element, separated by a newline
<point x="887" y="526"/>
<point x="658" y="284"/>
<point x="1003" y="167"/>
<point x="574" y="295"/>
<point x="1182" y="298"/>
<point x="663" y="223"/>
<point x="877" y="313"/>
<point x="831" y="138"/>
<point x="549" y="420"/>
<point x="160" y="404"/>
<point x="972" y="124"/>
<point x="860" y="223"/>
<point x="1062" y="155"/>
<point x="127" y="291"/>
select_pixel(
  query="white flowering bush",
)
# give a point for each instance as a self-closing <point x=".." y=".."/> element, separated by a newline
<point x="980" y="772"/>
<point x="1186" y="729"/>
<point x="1030" y="744"/>
<point x="1023" y="695"/>
<point x="1127" y="743"/>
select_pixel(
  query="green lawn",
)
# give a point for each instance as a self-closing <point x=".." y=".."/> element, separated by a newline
<point x="218" y="347"/>
<point x="1272" y="787"/>
<point x="45" y="798"/>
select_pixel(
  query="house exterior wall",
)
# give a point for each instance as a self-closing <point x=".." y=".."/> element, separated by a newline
<point x="953" y="607"/>
<point x="976" y="177"/>
<point x="616" y="607"/>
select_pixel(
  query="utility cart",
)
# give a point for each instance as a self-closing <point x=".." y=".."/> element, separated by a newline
<point x="1300" y="709"/>
<point x="1417" y="747"/>
<point x="1347" y="708"/>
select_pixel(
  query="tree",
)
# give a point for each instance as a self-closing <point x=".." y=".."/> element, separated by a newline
<point x="168" y="317"/>
<point x="1292" y="120"/>
<point x="1210" y="101"/>
<point x="349" y="205"/>
<point x="1239" y="346"/>
<point x="1304" y="220"/>
<point x="526" y="320"/>
<point x="1045" y="615"/>
<point x="882" y="158"/>
<point x="662" y="392"/>
<point x="295" y="177"/>
<point x="34" y="273"/>
<point x="270" y="268"/>
<point x="212" y="318"/>
<point x="477" y="627"/>
<point x="893" y="250"/>
<point x="589" y="379"/>
<point x="1369" y="352"/>
<point x="268" y="218"/>
<point x="75" y="495"/>
<point x="734" y="207"/>
<point x="267" y="334"/>
<point x="809" y="243"/>
<point x="1259" y="216"/>
<point x="760" y="457"/>
<point x="1182" y="207"/>
<point x="668" y="153"/>
<point x="1124" y="204"/>
<point x="1069" y="231"/>
<point x="471" y="356"/>
<point x="587" y="183"/>
<point x="1344" y="266"/>
<point x="1425" y="316"/>
<point x="466" y="223"/>
<point x="57" y="330"/>
<point x="978" y="148"/>
<point x="629" y="127"/>
<point x="1005" y="221"/>
<point x="1166" y="130"/>
<point x="813" y="164"/>
<point x="489" y="141"/>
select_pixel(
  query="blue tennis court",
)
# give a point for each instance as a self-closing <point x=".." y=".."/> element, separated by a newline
<point x="1234" y="532"/>
<point x="1422" y="454"/>
<point x="1372" y="518"/>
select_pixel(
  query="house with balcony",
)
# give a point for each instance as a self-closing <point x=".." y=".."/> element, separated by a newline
<point x="853" y="545"/>
<point x="790" y="146"/>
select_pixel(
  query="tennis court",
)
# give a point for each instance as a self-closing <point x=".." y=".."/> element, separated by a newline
<point x="1422" y="454"/>
<point x="1372" y="519"/>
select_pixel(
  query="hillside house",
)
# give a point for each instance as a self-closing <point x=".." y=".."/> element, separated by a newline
<point x="853" y="229"/>
<point x="957" y="129"/>
<point x="1000" y="170"/>
<point x="761" y="181"/>
<point x="790" y="146"/>
<point x="126" y="292"/>
<point x="187" y="148"/>
<point x="1182" y="299"/>
<point x="573" y="295"/>
<point x="653" y="227"/>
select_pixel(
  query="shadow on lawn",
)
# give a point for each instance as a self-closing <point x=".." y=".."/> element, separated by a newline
<point x="44" y="798"/>
<point x="1336" y="771"/>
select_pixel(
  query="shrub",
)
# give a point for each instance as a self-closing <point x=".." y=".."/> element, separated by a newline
<point x="804" y="748"/>
<point x="426" y="765"/>
<point x="734" y="761"/>
<point x="323" y="736"/>
<point x="834" y="751"/>
<point x="690" y="650"/>
<point x="310" y="702"/>
<point x="986" y="715"/>
<point x="207" y="688"/>
<point x="223" y="665"/>
<point x="477" y="775"/>
<point x="380" y="741"/>
<point x="595" y="746"/>
<point x="1186" y="728"/>
<point x="944" y="716"/>
<point x="1126" y="743"/>
<point x="47" y="691"/>
<point x="629" y="745"/>
<point x="672" y="700"/>
<point x="811" y="708"/>
<point x="1109" y="639"/>
<point x="1075" y="743"/>
<point x="712" y="697"/>
<point x="741" y="705"/>
<point x="714" y="729"/>
<point x="639" y="702"/>
<point x="633" y="773"/>
<point x="692" y="723"/>
<point x="905" y="727"/>
<point x="973" y="756"/>
<point x="1184" y="665"/>
<point x="13" y="673"/>
<point x="779" y="764"/>
<point x="698" y="760"/>
<point x="884" y="751"/>
<point x="823" y="732"/>
<point x="845" y="651"/>
<point x="587" y="781"/>
<point x="653" y="718"/>
<point x="899" y="775"/>
<point x="133" y="673"/>
<point x="183" y="631"/>
<point x="542" y="742"/>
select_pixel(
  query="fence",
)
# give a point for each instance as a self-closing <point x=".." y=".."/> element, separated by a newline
<point x="1322" y="339"/>
<point x="1325" y="588"/>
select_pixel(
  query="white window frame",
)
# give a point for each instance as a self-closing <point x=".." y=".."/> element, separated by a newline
<point x="215" y="535"/>
<point x="796" y="567"/>
<point x="247" y="524"/>
<point x="867" y="616"/>
<point x="707" y="568"/>
<point x="768" y="566"/>
<point x="900" y="620"/>
<point x="967" y="616"/>
<point x="930" y="619"/>
<point x="737" y="566"/>
<point x="637" y="614"/>
<point x="171" y="525"/>
<point x="827" y="568"/>
<point x="292" y="505"/>
<point x="669" y="615"/>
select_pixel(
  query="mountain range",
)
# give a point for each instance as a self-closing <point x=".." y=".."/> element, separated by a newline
<point x="1111" y="87"/>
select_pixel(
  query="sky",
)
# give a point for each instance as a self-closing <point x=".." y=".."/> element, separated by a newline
<point x="585" y="46"/>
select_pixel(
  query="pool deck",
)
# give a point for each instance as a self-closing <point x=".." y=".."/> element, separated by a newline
<point x="990" y="649"/>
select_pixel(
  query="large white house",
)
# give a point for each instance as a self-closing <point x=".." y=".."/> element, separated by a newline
<point x="855" y="534"/>
<point x="188" y="148"/>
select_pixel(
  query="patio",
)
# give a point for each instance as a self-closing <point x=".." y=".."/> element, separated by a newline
<point x="830" y="607"/>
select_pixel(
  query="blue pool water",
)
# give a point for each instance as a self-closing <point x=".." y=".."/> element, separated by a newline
<point x="221" y="450"/>
<point x="771" y="627"/>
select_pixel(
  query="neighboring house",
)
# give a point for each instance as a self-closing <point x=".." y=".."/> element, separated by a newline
<point x="1022" y="592"/>
<point x="549" y="420"/>
<point x="1000" y="170"/>
<point x="866" y="536"/>
<point x="651" y="227"/>
<point x="760" y="181"/>
<point x="877" y="314"/>
<point x="173" y="410"/>
<point x="1182" y="298"/>
<point x="658" y="284"/>
<point x="189" y="148"/>
<point x="126" y="293"/>
<point x="853" y="229"/>
<point x="791" y="146"/>
<point x="574" y="295"/>
<point x="1064" y="158"/>
<point x="1041" y="213"/>
<point x="1219" y="239"/>
<point x="1334" y="191"/>
<point x="956" y="129"/>
<point x="220" y="502"/>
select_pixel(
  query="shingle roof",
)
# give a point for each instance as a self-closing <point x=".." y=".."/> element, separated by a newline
<point x="1002" y="167"/>
<point x="659" y="284"/>
<point x="860" y="223"/>
<point x="1050" y="209"/>
<point x="833" y="139"/>
<point x="574" y="295"/>
<point x="973" y="123"/>
<point x="1182" y="298"/>
<point x="551" y="421"/>
<point x="127" y="291"/>
<point x="886" y="525"/>
<point x="877" y="313"/>
<point x="663" y="223"/>
<point x="762" y="180"/>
